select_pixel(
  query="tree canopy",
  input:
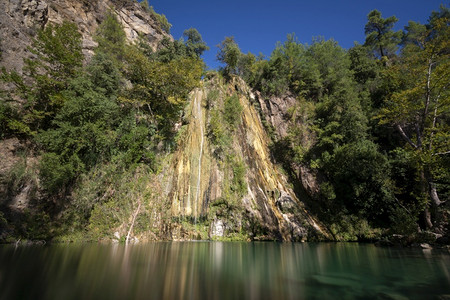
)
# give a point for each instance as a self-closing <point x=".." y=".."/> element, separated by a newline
<point x="380" y="37"/>
<point x="365" y="118"/>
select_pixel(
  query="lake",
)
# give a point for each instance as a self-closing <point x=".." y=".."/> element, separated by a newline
<point x="222" y="270"/>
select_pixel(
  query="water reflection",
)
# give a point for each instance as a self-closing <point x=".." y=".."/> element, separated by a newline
<point x="207" y="270"/>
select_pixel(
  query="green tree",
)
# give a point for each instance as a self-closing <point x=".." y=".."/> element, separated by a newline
<point x="160" y="88"/>
<point x="111" y="37"/>
<point x="229" y="54"/>
<point x="380" y="38"/>
<point x="246" y="66"/>
<point x="104" y="74"/>
<point x="82" y="135"/>
<point x="365" y="69"/>
<point x="419" y="108"/>
<point x="194" y="42"/>
<point x="232" y="110"/>
<point x="161" y="19"/>
<point x="289" y="65"/>
<point x="287" y="70"/>
<point x="58" y="59"/>
<point x="171" y="50"/>
<point x="360" y="177"/>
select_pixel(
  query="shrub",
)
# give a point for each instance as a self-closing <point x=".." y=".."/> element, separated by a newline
<point x="162" y="20"/>
<point x="217" y="131"/>
<point x="212" y="98"/>
<point x="232" y="111"/>
<point x="238" y="184"/>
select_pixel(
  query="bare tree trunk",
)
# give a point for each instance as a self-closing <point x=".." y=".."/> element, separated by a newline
<point x="434" y="195"/>
<point x="427" y="216"/>
<point x="425" y="191"/>
<point x="435" y="201"/>
<point x="428" y="92"/>
<point x="132" y="222"/>
<point x="429" y="187"/>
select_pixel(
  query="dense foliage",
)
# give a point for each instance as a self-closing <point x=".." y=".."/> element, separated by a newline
<point x="117" y="112"/>
<point x="371" y="122"/>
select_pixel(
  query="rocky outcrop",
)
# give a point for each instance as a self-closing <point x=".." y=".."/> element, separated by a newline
<point x="19" y="20"/>
<point x="198" y="182"/>
<point x="276" y="112"/>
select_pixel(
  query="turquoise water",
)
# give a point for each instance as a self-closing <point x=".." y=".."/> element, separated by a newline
<point x="216" y="270"/>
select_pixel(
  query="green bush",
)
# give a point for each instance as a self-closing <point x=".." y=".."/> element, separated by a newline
<point x="135" y="141"/>
<point x="354" y="228"/>
<point x="103" y="219"/>
<point x="403" y="222"/>
<point x="34" y="225"/>
<point x="217" y="132"/>
<point x="212" y="98"/>
<point x="162" y="20"/>
<point x="8" y="117"/>
<point x="238" y="184"/>
<point x="56" y="174"/>
<point x="232" y="111"/>
<point x="360" y="178"/>
<point x="58" y="58"/>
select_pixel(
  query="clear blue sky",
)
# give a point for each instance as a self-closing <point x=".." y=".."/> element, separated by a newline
<point x="258" y="25"/>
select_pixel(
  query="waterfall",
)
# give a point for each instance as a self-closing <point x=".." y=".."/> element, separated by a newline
<point x="200" y="122"/>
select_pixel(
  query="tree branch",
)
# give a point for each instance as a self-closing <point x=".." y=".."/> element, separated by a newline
<point x="403" y="134"/>
<point x="419" y="135"/>
<point x="402" y="206"/>
<point x="440" y="153"/>
<point x="428" y="91"/>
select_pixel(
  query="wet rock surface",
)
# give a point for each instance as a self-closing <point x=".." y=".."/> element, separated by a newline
<point x="270" y="209"/>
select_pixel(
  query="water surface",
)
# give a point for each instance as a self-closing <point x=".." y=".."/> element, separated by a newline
<point x="216" y="270"/>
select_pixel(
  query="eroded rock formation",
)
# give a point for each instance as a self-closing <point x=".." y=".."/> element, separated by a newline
<point x="271" y="208"/>
<point x="19" y="20"/>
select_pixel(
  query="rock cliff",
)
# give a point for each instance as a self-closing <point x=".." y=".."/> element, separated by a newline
<point x="276" y="113"/>
<point x="269" y="207"/>
<point x="228" y="191"/>
<point x="19" y="20"/>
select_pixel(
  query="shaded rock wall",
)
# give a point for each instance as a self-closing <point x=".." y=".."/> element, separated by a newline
<point x="275" y="111"/>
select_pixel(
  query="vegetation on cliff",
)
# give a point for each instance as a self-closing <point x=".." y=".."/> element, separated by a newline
<point x="370" y="123"/>
<point x="97" y="125"/>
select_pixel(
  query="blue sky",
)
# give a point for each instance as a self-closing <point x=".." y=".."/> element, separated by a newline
<point x="258" y="25"/>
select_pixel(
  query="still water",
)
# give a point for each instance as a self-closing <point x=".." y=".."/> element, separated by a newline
<point x="216" y="270"/>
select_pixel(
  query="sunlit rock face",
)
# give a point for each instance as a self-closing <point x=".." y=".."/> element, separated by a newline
<point x="20" y="19"/>
<point x="199" y="184"/>
<point x="217" y="228"/>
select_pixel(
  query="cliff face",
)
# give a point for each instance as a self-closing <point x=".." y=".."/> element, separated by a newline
<point x="200" y="178"/>
<point x="205" y="189"/>
<point x="19" y="20"/>
<point x="275" y="111"/>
